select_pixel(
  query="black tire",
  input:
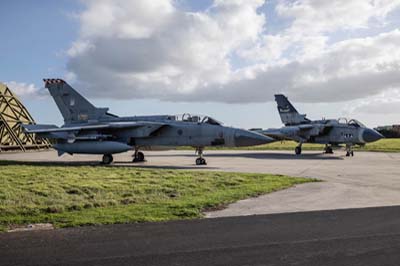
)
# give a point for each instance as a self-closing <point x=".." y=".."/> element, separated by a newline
<point x="297" y="150"/>
<point x="198" y="161"/>
<point x="329" y="150"/>
<point x="352" y="153"/>
<point x="347" y="154"/>
<point x="140" y="156"/>
<point x="203" y="161"/>
<point x="107" y="159"/>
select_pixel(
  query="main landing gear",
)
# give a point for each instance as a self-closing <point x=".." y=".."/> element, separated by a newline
<point x="349" y="151"/>
<point x="328" y="149"/>
<point x="297" y="150"/>
<point x="107" y="159"/>
<point x="200" y="160"/>
<point x="138" y="156"/>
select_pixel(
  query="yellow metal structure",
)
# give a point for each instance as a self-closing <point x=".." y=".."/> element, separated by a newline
<point x="12" y="114"/>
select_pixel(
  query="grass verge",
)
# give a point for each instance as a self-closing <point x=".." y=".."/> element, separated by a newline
<point x="89" y="195"/>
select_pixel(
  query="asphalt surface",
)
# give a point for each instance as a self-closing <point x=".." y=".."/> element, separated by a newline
<point x="365" y="180"/>
<point x="369" y="236"/>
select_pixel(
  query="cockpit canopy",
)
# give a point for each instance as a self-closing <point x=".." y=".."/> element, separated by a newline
<point x="197" y="119"/>
<point x="351" y="122"/>
<point x="356" y="123"/>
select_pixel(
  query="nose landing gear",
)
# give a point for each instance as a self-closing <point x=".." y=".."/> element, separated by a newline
<point x="138" y="156"/>
<point x="349" y="151"/>
<point x="297" y="150"/>
<point x="200" y="160"/>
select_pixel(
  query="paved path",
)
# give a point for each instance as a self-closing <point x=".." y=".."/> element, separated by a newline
<point x="368" y="179"/>
<point x="345" y="237"/>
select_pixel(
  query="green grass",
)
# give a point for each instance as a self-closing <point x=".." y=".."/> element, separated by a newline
<point x="383" y="145"/>
<point x="88" y="195"/>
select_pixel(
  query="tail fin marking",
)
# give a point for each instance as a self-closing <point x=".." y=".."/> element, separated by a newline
<point x="288" y="113"/>
<point x="73" y="106"/>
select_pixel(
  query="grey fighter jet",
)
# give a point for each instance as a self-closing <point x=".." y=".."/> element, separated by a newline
<point x="91" y="130"/>
<point x="331" y="132"/>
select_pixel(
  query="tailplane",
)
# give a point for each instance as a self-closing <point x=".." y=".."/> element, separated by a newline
<point x="73" y="106"/>
<point x="288" y="113"/>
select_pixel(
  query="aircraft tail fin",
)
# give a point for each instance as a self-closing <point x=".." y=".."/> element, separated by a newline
<point x="73" y="106"/>
<point x="288" y="113"/>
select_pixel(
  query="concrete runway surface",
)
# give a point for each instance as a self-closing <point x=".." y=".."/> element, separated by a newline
<point x="369" y="236"/>
<point x="365" y="180"/>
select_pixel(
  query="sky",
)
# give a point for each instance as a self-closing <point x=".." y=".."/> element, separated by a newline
<point x="222" y="58"/>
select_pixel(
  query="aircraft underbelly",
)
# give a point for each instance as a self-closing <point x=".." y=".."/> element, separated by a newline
<point x="174" y="141"/>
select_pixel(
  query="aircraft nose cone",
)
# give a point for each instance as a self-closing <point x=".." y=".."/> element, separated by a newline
<point x="370" y="135"/>
<point x="247" y="138"/>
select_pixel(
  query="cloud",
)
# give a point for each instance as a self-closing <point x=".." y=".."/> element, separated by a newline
<point x="387" y="102"/>
<point x="155" y="49"/>
<point x="174" y="52"/>
<point x="347" y="70"/>
<point x="315" y="16"/>
<point x="26" y="90"/>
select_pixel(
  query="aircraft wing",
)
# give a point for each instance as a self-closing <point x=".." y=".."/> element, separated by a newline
<point x="32" y="128"/>
<point x="298" y="132"/>
<point x="112" y="125"/>
<point x="141" y="129"/>
<point x="276" y="134"/>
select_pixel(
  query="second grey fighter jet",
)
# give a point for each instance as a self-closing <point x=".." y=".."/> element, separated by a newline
<point x="91" y="130"/>
<point x="331" y="132"/>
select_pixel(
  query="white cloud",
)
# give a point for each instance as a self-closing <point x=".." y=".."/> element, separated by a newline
<point x="124" y="19"/>
<point x="176" y="53"/>
<point x="26" y="90"/>
<point x="153" y="49"/>
<point x="380" y="109"/>
<point x="387" y="102"/>
<point x="316" y="16"/>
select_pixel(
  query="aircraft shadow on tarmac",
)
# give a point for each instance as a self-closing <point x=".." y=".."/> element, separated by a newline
<point x="251" y="155"/>
<point x="266" y="156"/>
<point x="96" y="163"/>
<point x="277" y="156"/>
<point x="49" y="163"/>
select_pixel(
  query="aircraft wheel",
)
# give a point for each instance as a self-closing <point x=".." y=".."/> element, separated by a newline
<point x="352" y="153"/>
<point x="297" y="150"/>
<point x="201" y="161"/>
<point x="139" y="157"/>
<point x="107" y="159"/>
<point x="347" y="154"/>
<point x="329" y="150"/>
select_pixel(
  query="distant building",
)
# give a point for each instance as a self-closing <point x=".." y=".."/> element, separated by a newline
<point x="12" y="114"/>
